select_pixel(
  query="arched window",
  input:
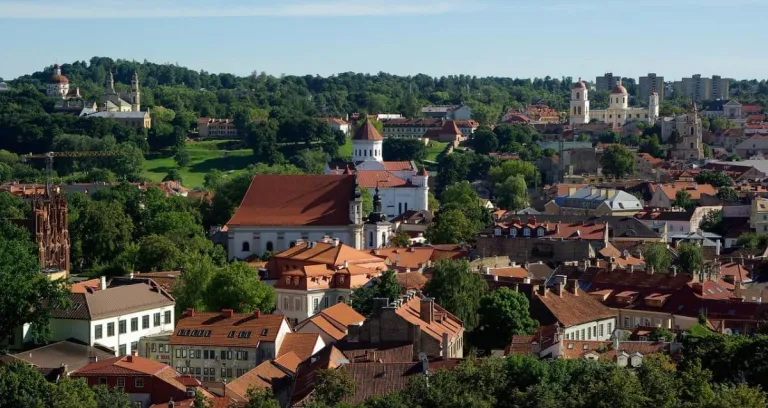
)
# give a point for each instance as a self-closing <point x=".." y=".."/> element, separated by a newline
<point x="365" y="153"/>
<point x="246" y="246"/>
<point x="692" y="131"/>
<point x="691" y="145"/>
<point x="623" y="99"/>
<point x="270" y="246"/>
<point x="578" y="95"/>
<point x="370" y="239"/>
<point x="383" y="238"/>
<point x="579" y="110"/>
<point x="293" y="244"/>
<point x="340" y="299"/>
<point x="371" y="152"/>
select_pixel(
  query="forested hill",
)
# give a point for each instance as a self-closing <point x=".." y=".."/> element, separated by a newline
<point x="180" y="88"/>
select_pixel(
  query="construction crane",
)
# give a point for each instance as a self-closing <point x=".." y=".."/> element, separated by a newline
<point x="49" y="161"/>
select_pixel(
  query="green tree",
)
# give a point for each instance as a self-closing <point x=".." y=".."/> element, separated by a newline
<point x="384" y="286"/>
<point x="512" y="194"/>
<point x="659" y="380"/>
<point x="618" y="161"/>
<point x="182" y="157"/>
<point x="158" y="253"/>
<point x="129" y="164"/>
<point x="610" y="137"/>
<point x="100" y="231"/>
<point x="661" y="334"/>
<point x="22" y="385"/>
<point x="213" y="179"/>
<point x="728" y="194"/>
<point x="201" y="401"/>
<point x="740" y="395"/>
<point x="261" y="398"/>
<point x="503" y="313"/>
<point x="690" y="258"/>
<point x="683" y="200"/>
<point x="401" y="239"/>
<point x="365" y="195"/>
<point x="71" y="393"/>
<point x="456" y="288"/>
<point x="717" y="179"/>
<point x="713" y="222"/>
<point x="311" y="161"/>
<point x="485" y="141"/>
<point x="652" y="146"/>
<point x="752" y="240"/>
<point x="658" y="257"/>
<point x="400" y="149"/>
<point x="332" y="386"/>
<point x="107" y="397"/>
<point x="509" y="168"/>
<point x="173" y="175"/>
<point x="191" y="287"/>
<point x="237" y="287"/>
<point x="452" y="227"/>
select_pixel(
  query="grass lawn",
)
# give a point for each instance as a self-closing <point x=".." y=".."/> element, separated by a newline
<point x="434" y="149"/>
<point x="345" y="150"/>
<point x="204" y="156"/>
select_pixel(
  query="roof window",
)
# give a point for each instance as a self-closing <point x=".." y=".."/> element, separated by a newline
<point x="231" y="334"/>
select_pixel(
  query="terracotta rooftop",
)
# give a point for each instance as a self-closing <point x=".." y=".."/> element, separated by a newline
<point x="292" y="200"/>
<point x="368" y="132"/>
<point x="571" y="310"/>
<point x="380" y="178"/>
<point x="402" y="258"/>
<point x="265" y="375"/>
<point x="397" y="165"/>
<point x="444" y="322"/>
<point x="694" y="189"/>
<point x="126" y="366"/>
<point x="411" y="280"/>
<point x="226" y="329"/>
<point x="328" y="254"/>
<point x="301" y="344"/>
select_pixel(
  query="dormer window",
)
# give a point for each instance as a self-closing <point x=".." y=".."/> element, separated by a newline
<point x="296" y="281"/>
<point x="540" y="232"/>
<point x="513" y="232"/>
<point x="287" y="280"/>
<point x="527" y="232"/>
<point x="497" y="232"/>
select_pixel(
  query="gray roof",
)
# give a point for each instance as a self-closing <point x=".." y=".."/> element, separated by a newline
<point x="74" y="355"/>
<point x="114" y="301"/>
<point x="626" y="227"/>
<point x="118" y="115"/>
<point x="621" y="201"/>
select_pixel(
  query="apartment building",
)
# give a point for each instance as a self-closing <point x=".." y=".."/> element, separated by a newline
<point x="215" y="128"/>
<point x="701" y="88"/>
<point x="606" y="82"/>
<point x="223" y="346"/>
<point x="649" y="84"/>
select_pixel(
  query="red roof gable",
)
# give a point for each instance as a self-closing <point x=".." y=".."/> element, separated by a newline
<point x="277" y="200"/>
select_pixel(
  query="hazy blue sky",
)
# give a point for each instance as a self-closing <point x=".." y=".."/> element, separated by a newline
<point x="674" y="38"/>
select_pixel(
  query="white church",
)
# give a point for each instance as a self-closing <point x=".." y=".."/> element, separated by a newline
<point x="618" y="112"/>
<point x="401" y="185"/>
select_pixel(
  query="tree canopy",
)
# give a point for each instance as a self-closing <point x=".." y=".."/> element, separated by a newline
<point x="617" y="161"/>
<point x="456" y="288"/>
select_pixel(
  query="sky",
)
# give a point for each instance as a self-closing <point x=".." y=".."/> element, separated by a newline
<point x="512" y="38"/>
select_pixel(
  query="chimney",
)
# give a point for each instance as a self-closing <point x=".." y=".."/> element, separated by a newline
<point x="559" y="289"/>
<point x="543" y="290"/>
<point x="129" y="358"/>
<point x="427" y="309"/>
<point x="172" y="405"/>
<point x="698" y="288"/>
<point x="103" y="282"/>
<point x="257" y="313"/>
<point x="190" y="312"/>
<point x="575" y="287"/>
<point x="336" y="242"/>
<point x="717" y="247"/>
<point x="378" y="304"/>
<point x="227" y="312"/>
<point x="134" y="352"/>
<point x="486" y="270"/>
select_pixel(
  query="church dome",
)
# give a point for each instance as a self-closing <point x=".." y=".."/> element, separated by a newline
<point x="57" y="78"/>
<point x="579" y="85"/>
<point x="619" y="89"/>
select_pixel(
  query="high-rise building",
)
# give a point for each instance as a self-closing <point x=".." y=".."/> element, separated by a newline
<point x="703" y="89"/>
<point x="648" y="84"/>
<point x="606" y="82"/>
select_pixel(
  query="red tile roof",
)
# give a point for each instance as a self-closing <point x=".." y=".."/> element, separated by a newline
<point x="571" y="310"/>
<point x="380" y="379"/>
<point x="227" y="329"/>
<point x="379" y="178"/>
<point x="694" y="189"/>
<point x="301" y="344"/>
<point x="265" y="375"/>
<point x="444" y="322"/>
<point x="450" y="127"/>
<point x="397" y="165"/>
<point x="368" y="132"/>
<point x="279" y="200"/>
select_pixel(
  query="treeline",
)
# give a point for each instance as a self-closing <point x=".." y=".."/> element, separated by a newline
<point x="207" y="94"/>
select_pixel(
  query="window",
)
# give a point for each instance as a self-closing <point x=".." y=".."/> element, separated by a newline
<point x="120" y="382"/>
<point x="178" y="353"/>
<point x="626" y="322"/>
<point x="121" y="327"/>
<point x="384" y="234"/>
<point x="134" y="346"/>
<point x="102" y="380"/>
<point x="139" y="382"/>
<point x="229" y="355"/>
<point x="246" y="246"/>
<point x="153" y="347"/>
<point x="226" y="372"/>
<point x="98" y="332"/>
<point x="610" y="327"/>
<point x="286" y="301"/>
<point x="589" y="333"/>
<point x="578" y="95"/>
<point x="691" y="145"/>
<point x="121" y="350"/>
<point x="134" y="324"/>
<point x="223" y="355"/>
<point x="341" y="279"/>
<point x="600" y="332"/>
<point x="145" y="322"/>
<point x="156" y="319"/>
<point x="583" y="337"/>
<point x="316" y="303"/>
<point x="370" y="239"/>
<point x="340" y="299"/>
<point x="325" y="302"/>
<point x="167" y="317"/>
<point x="297" y="304"/>
<point x="527" y="232"/>
<point x="245" y="355"/>
<point x="270" y="246"/>
<point x="183" y="353"/>
<point x="110" y="329"/>
<point x="198" y="353"/>
<point x="540" y="232"/>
